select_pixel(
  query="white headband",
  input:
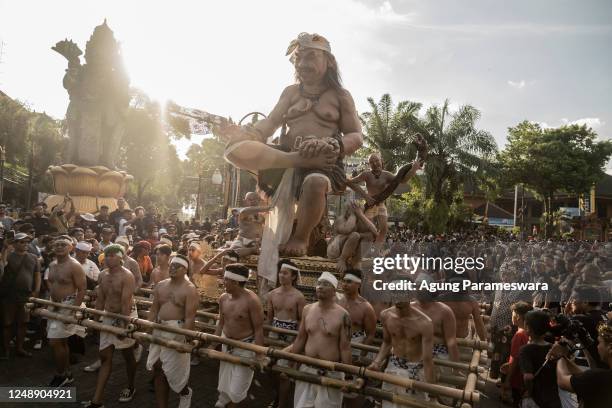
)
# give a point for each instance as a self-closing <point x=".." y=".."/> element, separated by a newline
<point x="180" y="261"/>
<point x="328" y="277"/>
<point x="64" y="240"/>
<point x="351" y="277"/>
<point x="234" y="276"/>
<point x="290" y="267"/>
<point x="293" y="268"/>
<point x="84" y="246"/>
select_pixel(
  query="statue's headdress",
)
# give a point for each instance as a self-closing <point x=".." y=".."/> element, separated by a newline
<point x="307" y="40"/>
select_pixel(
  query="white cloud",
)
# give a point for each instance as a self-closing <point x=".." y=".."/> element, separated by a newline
<point x="543" y="125"/>
<point x="517" y="85"/>
<point x="594" y="123"/>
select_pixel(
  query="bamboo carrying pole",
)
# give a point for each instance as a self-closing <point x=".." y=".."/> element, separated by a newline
<point x="472" y="343"/>
<point x="437" y="390"/>
<point x="359" y="346"/>
<point x="454" y="380"/>
<point x="472" y="379"/>
<point x="221" y="356"/>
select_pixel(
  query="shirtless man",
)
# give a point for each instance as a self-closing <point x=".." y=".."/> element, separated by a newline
<point x="195" y="261"/>
<point x="132" y="265"/>
<point x="322" y="127"/>
<point x="464" y="308"/>
<point x="363" y="316"/>
<point x="376" y="180"/>
<point x="250" y="226"/>
<point x="325" y="333"/>
<point x="221" y="260"/>
<point x="284" y="310"/>
<point x="241" y="318"/>
<point x="162" y="269"/>
<point x="115" y="293"/>
<point x="350" y="231"/>
<point x="408" y="338"/>
<point x="363" y="320"/>
<point x="175" y="302"/>
<point x="67" y="283"/>
<point x="445" y="330"/>
<point x="206" y="278"/>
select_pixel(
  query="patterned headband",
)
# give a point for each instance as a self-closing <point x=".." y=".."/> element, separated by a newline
<point x="309" y="41"/>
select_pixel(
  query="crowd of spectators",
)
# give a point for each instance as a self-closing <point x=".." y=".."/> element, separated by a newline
<point x="550" y="348"/>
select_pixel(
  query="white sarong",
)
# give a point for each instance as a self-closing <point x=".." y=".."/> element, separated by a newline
<point x="60" y="330"/>
<point x="108" y="339"/>
<point x="276" y="230"/>
<point x="357" y="337"/>
<point x="176" y="365"/>
<point x="234" y="379"/>
<point x="308" y="395"/>
<point x="407" y="369"/>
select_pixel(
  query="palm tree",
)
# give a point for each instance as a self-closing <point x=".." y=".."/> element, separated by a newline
<point x="385" y="128"/>
<point x="458" y="152"/>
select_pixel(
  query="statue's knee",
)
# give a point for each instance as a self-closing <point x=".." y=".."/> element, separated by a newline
<point x="315" y="185"/>
<point x="354" y="236"/>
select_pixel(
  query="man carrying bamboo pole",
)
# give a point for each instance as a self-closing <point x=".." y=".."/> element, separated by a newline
<point x="175" y="302"/>
<point x="67" y="283"/>
<point x="115" y="293"/>
<point x="465" y="308"/>
<point x="363" y="319"/>
<point x="132" y="265"/>
<point x="408" y="339"/>
<point x="445" y="329"/>
<point x="285" y="306"/>
<point x="241" y="318"/>
<point x="325" y="333"/>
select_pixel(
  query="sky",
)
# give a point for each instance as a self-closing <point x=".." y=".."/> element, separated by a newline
<point x="547" y="61"/>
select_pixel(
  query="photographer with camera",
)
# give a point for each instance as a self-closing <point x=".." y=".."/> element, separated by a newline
<point x="585" y="307"/>
<point x="593" y="386"/>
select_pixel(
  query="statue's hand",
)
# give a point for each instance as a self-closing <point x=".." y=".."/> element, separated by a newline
<point x="310" y="148"/>
<point x="230" y="132"/>
<point x="68" y="49"/>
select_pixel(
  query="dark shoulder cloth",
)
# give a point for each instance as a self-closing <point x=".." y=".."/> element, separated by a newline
<point x="593" y="387"/>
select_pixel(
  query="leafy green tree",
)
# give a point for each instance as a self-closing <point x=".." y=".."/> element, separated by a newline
<point x="492" y="183"/>
<point x="148" y="155"/>
<point x="385" y="129"/>
<point x="568" y="158"/>
<point x="14" y="129"/>
<point x="458" y="153"/>
<point x="32" y="140"/>
<point x="47" y="144"/>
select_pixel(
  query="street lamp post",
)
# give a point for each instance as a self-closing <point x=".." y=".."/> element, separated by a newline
<point x="217" y="180"/>
<point x="2" y="159"/>
<point x="198" y="199"/>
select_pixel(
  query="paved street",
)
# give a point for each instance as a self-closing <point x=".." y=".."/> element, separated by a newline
<point x="38" y="371"/>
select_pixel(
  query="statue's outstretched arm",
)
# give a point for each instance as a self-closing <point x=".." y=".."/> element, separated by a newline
<point x="350" y="126"/>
